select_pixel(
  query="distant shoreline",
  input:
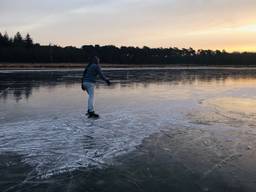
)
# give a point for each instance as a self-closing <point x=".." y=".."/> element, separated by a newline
<point x="17" y="66"/>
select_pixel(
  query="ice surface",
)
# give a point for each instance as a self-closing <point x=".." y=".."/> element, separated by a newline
<point x="45" y="121"/>
<point x="55" y="141"/>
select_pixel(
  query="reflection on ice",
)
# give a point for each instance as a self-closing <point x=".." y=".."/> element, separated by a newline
<point x="246" y="106"/>
<point x="233" y="111"/>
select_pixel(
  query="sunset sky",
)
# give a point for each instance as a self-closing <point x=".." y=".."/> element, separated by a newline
<point x="207" y="24"/>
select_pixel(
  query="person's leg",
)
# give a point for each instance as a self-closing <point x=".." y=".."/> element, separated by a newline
<point x="90" y="91"/>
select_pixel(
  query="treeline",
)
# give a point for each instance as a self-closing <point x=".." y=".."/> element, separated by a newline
<point x="20" y="49"/>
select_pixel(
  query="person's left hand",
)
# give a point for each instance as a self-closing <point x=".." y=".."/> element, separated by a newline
<point x="83" y="87"/>
<point x="108" y="82"/>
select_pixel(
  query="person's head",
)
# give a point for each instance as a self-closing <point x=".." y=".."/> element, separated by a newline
<point x="94" y="60"/>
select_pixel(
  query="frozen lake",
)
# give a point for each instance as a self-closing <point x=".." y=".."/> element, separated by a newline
<point x="173" y="129"/>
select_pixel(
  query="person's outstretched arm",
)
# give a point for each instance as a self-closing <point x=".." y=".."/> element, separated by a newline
<point x="102" y="76"/>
